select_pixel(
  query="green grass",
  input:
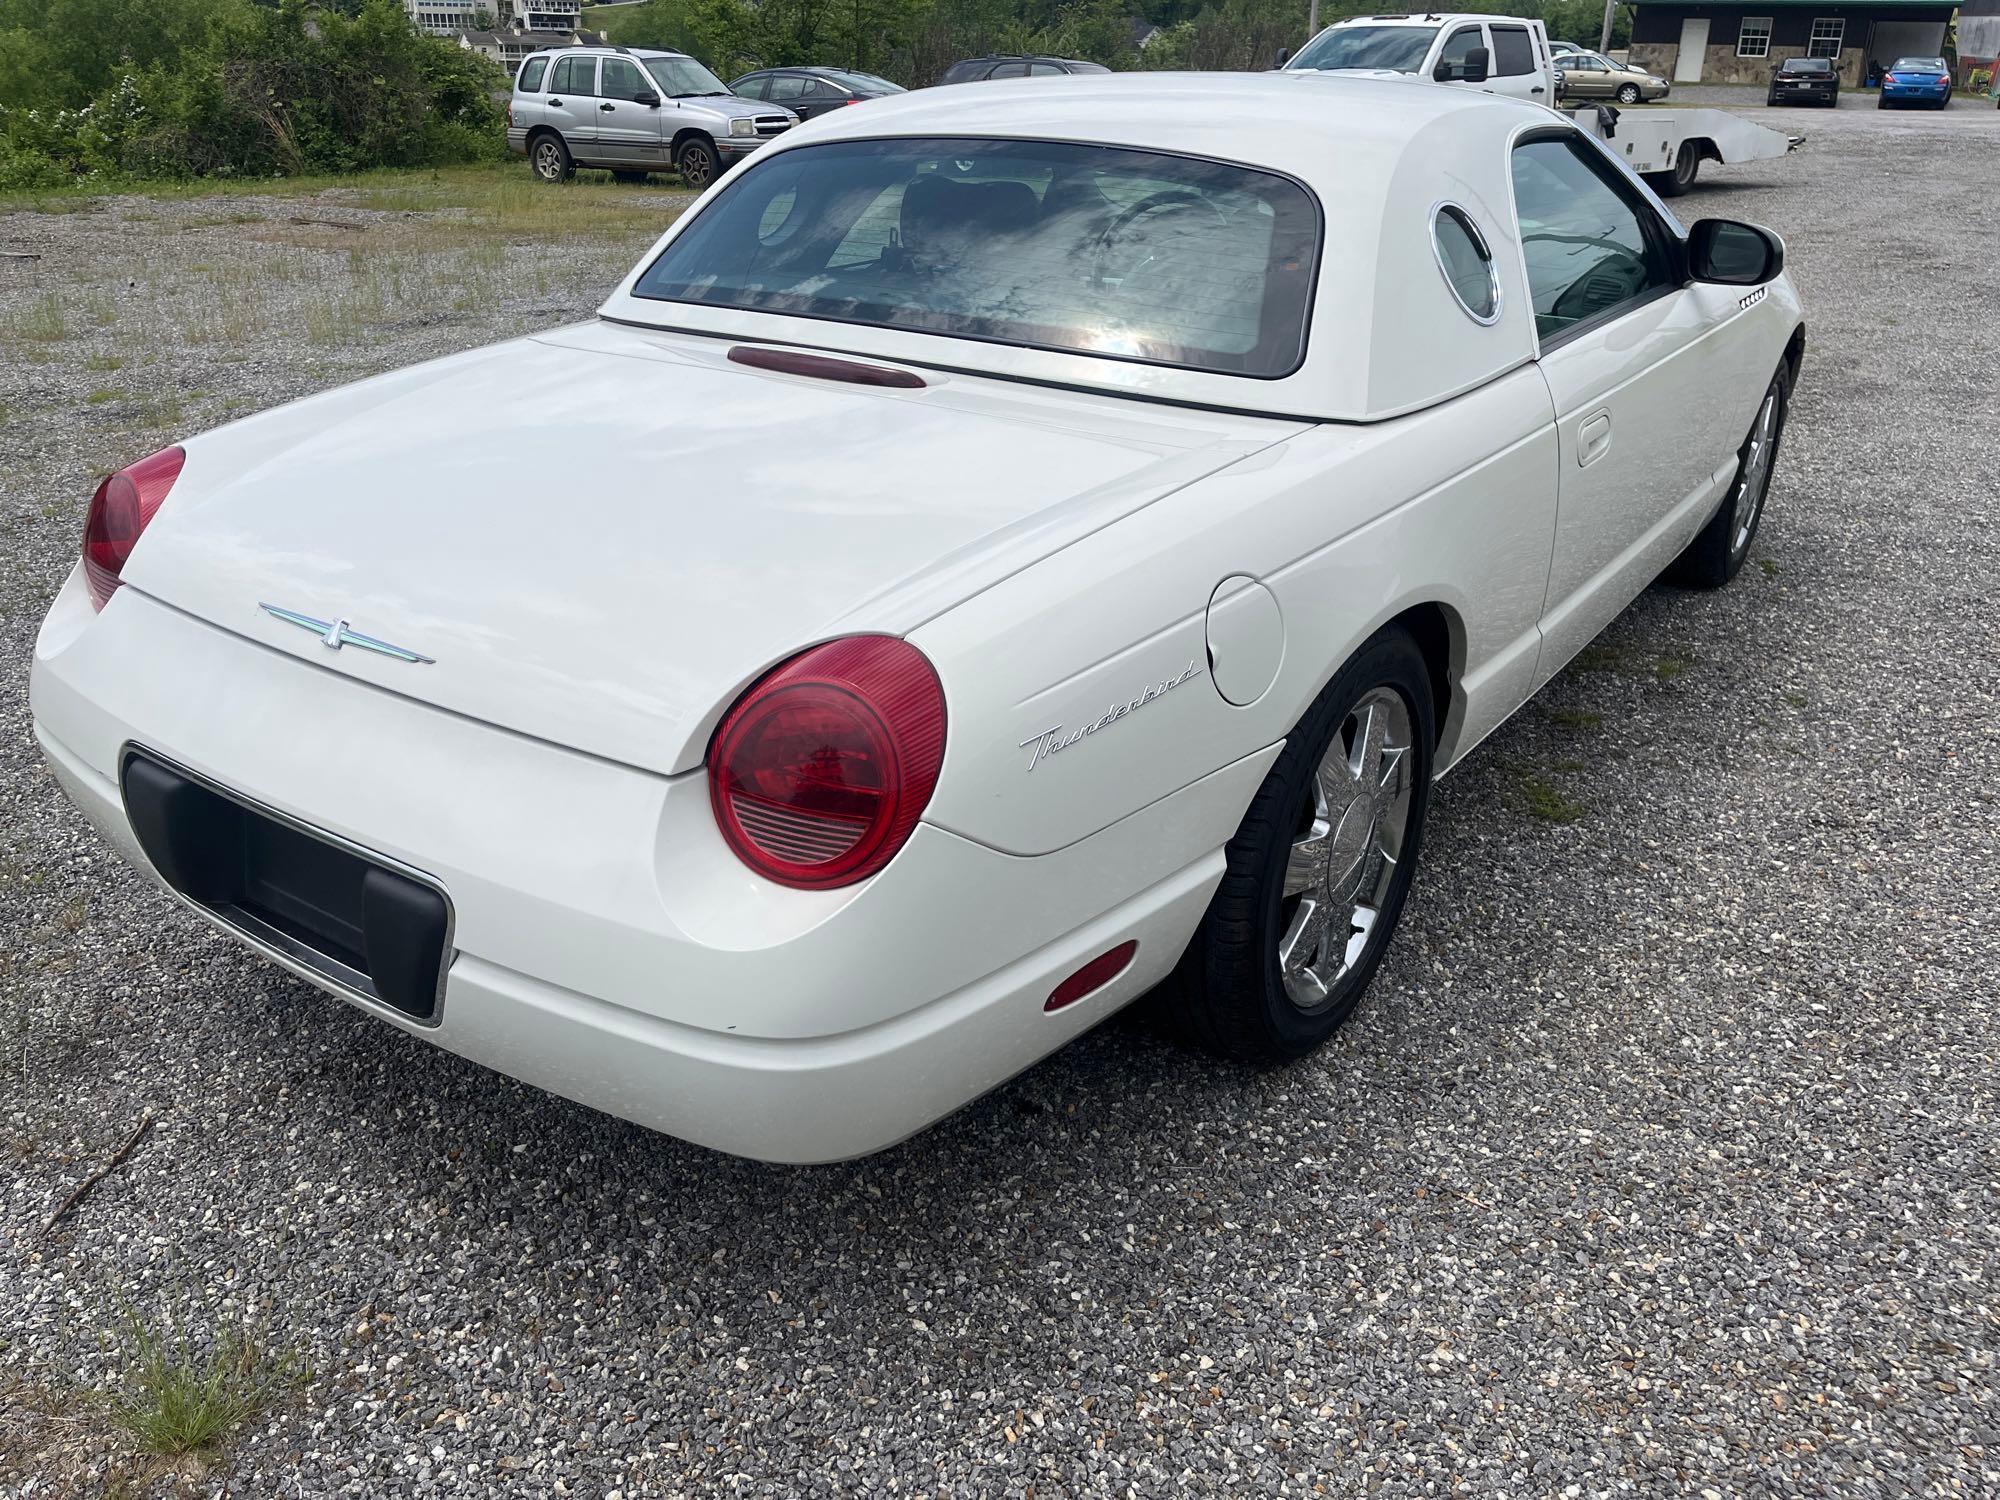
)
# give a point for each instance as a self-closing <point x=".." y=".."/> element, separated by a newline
<point x="1674" y="664"/>
<point x="178" y="1403"/>
<point x="1768" y="566"/>
<point x="1542" y="799"/>
<point x="1577" y="718"/>
<point x="100" y="397"/>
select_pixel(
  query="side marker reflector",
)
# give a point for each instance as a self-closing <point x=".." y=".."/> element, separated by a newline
<point x="1094" y="975"/>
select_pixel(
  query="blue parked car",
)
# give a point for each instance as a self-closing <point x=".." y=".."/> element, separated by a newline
<point x="1916" y="80"/>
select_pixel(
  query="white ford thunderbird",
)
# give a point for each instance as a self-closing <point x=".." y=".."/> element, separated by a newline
<point x="1002" y="548"/>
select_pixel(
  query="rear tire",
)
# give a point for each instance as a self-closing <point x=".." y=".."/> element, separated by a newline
<point x="550" y="158"/>
<point x="1687" y="167"/>
<point x="697" y="162"/>
<point x="1717" y="554"/>
<point x="1320" y="867"/>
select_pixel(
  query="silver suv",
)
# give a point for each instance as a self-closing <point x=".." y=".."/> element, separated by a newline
<point x="634" y="112"/>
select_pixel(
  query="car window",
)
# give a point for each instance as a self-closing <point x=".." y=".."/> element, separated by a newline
<point x="532" y="72"/>
<point x="787" y="86"/>
<point x="752" y="87"/>
<point x="1009" y="70"/>
<point x="621" y="79"/>
<point x="819" y="88"/>
<point x="1513" y="54"/>
<point x="1040" y="70"/>
<point x="1588" y="252"/>
<point x="1458" y="46"/>
<point x="1088" y="67"/>
<point x="574" y="75"/>
<point x="1397" y="49"/>
<point x="1466" y="261"/>
<point x="1098" y="250"/>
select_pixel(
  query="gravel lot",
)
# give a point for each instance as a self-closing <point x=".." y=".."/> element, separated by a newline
<point x="1663" y="1157"/>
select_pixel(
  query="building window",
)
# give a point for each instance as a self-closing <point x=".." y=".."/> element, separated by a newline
<point x="1753" y="37"/>
<point x="1826" y="37"/>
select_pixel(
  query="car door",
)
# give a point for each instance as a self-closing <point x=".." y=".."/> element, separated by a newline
<point x="789" y="90"/>
<point x="1642" y="393"/>
<point x="571" y="103"/>
<point x="1514" y="67"/>
<point x="821" y="97"/>
<point x="627" y="130"/>
<point x="1587" y="77"/>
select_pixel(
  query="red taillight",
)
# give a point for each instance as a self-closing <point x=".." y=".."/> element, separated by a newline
<point x="122" y="508"/>
<point x="1093" y="976"/>
<point x="820" y="771"/>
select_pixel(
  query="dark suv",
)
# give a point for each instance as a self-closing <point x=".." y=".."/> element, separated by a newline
<point x="973" y="69"/>
<point x="1804" y="80"/>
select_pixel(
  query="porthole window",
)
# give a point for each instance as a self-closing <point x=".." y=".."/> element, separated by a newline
<point x="1466" y="262"/>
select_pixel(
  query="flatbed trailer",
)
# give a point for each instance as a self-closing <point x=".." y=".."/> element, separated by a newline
<point x="1667" y="145"/>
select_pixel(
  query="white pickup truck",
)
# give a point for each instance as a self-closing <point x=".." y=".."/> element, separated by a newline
<point x="1510" y="55"/>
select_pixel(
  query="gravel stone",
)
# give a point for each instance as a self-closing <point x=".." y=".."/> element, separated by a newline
<point x="1661" y="1158"/>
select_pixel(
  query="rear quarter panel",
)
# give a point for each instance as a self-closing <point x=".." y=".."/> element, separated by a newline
<point x="1347" y="525"/>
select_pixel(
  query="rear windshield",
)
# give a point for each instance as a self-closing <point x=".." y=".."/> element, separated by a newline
<point x="1399" y="49"/>
<point x="1807" y="65"/>
<point x="1092" y="249"/>
<point x="1918" y="65"/>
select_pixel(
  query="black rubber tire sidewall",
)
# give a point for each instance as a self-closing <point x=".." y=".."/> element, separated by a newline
<point x="1229" y="995"/>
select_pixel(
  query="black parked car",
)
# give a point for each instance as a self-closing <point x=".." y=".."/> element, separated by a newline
<point x="812" y="91"/>
<point x="1805" y="80"/>
<point x="973" y="69"/>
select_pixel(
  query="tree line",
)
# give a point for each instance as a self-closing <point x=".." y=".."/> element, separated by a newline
<point x="109" y="89"/>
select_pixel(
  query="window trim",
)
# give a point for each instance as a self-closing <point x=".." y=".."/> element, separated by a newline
<point x="1765" y="35"/>
<point x="1493" y="30"/>
<point x="1839" y="39"/>
<point x="1608" y="170"/>
<point x="1485" y="249"/>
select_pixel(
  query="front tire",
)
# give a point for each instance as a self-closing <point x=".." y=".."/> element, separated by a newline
<point x="550" y="158"/>
<point x="696" y="161"/>
<point x="1320" y="867"/>
<point x="1628" y="93"/>
<point x="1717" y="554"/>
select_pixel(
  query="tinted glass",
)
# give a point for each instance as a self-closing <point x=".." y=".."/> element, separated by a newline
<point x="1089" y="249"/>
<point x="1400" y="49"/>
<point x="1585" y="248"/>
<point x="532" y="72"/>
<point x="753" y="86"/>
<point x="1010" y="70"/>
<point x="1806" y="65"/>
<point x="1917" y="65"/>
<point x="621" y="79"/>
<point x="574" y="75"/>
<point x="1466" y="263"/>
<point x="1512" y="52"/>
<point x="1088" y="67"/>
<point x="1460" y="44"/>
<point x="1042" y="70"/>
<point x="787" y="86"/>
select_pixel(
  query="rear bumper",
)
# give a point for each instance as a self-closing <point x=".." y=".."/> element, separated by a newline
<point x="606" y="946"/>
<point x="1930" y="93"/>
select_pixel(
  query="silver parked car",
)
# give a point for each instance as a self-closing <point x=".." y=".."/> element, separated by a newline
<point x="634" y="112"/>
<point x="1592" y="75"/>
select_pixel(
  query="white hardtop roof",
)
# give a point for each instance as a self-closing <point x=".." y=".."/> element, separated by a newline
<point x="1436" y="18"/>
<point x="1385" y="335"/>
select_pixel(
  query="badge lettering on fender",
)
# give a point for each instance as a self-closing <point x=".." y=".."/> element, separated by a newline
<point x="1055" y="740"/>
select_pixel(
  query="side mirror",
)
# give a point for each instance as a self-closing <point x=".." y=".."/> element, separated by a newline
<point x="648" y="98"/>
<point x="1284" y="56"/>
<point x="1472" y="70"/>
<point x="1734" y="254"/>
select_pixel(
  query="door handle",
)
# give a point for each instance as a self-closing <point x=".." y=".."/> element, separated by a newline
<point x="607" y="108"/>
<point x="1536" y="89"/>
<point x="555" y="103"/>
<point x="1593" y="438"/>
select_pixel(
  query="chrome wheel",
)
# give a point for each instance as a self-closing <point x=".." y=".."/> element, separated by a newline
<point x="1629" y="94"/>
<point x="1344" y="860"/>
<point x="549" y="161"/>
<point x="1756" y="477"/>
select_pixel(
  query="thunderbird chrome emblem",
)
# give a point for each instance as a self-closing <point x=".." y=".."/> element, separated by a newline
<point x="333" y="634"/>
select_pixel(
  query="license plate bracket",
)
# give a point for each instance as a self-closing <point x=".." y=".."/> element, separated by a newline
<point x="364" y="923"/>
